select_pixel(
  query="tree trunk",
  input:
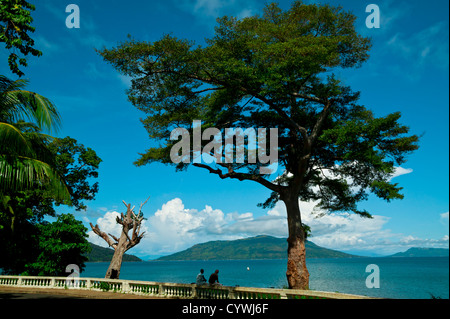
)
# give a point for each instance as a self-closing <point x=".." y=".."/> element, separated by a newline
<point x="113" y="271"/>
<point x="297" y="274"/>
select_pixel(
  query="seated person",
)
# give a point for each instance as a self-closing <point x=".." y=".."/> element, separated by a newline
<point x="201" y="280"/>
<point x="214" y="278"/>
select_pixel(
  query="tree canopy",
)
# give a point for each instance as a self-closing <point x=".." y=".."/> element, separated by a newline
<point x="276" y="70"/>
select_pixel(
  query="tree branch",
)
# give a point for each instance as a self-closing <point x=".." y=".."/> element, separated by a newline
<point x="309" y="97"/>
<point x="209" y="89"/>
<point x="323" y="115"/>
<point x="241" y="177"/>
<point x="103" y="235"/>
<point x="142" y="204"/>
<point x="283" y="114"/>
<point x="114" y="237"/>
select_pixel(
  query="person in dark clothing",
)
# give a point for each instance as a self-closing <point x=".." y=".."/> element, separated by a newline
<point x="214" y="278"/>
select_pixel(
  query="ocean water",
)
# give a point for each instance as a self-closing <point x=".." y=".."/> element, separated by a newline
<point x="400" y="278"/>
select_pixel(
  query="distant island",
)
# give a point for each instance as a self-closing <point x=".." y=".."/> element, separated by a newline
<point x="423" y="252"/>
<point x="99" y="254"/>
<point x="268" y="247"/>
<point x="259" y="247"/>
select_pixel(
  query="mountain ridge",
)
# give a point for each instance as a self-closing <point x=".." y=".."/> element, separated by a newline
<point x="100" y="254"/>
<point x="423" y="252"/>
<point x="258" y="247"/>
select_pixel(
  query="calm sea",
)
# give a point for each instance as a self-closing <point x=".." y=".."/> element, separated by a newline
<point x="402" y="278"/>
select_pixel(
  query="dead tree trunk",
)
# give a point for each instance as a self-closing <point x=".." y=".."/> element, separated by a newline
<point x="130" y="221"/>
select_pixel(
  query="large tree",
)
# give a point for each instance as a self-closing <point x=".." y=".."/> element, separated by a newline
<point x="273" y="71"/>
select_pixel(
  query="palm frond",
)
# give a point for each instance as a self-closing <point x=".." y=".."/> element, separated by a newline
<point x="13" y="141"/>
<point x="17" y="104"/>
<point x="19" y="172"/>
<point x="25" y="160"/>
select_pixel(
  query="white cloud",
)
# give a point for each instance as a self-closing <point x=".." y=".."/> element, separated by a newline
<point x="341" y="231"/>
<point x="174" y="228"/>
<point x="209" y="7"/>
<point x="444" y="219"/>
<point x="423" y="48"/>
<point x="107" y="224"/>
<point x="206" y="11"/>
<point x="400" y="171"/>
<point x="411" y="241"/>
<point x="391" y="12"/>
<point x="125" y="80"/>
<point x="48" y="47"/>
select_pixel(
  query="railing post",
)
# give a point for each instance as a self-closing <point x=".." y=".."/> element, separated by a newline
<point x="19" y="282"/>
<point x="231" y="294"/>
<point x="161" y="290"/>
<point x="125" y="287"/>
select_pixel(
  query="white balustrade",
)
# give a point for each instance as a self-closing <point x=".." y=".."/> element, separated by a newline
<point x="167" y="290"/>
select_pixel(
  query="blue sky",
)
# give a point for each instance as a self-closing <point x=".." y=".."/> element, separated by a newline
<point x="407" y="72"/>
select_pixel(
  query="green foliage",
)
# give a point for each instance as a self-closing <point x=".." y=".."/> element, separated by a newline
<point x="15" y="26"/>
<point x="60" y="243"/>
<point x="22" y="212"/>
<point x="78" y="164"/>
<point x="25" y="161"/>
<point x="104" y="286"/>
<point x="17" y="104"/>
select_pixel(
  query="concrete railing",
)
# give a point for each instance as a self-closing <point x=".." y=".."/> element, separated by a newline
<point x="167" y="290"/>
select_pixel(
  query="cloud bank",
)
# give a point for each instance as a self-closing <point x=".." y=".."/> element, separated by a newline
<point x="174" y="227"/>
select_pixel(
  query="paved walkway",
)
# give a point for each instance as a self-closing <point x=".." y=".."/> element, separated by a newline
<point x="43" y="293"/>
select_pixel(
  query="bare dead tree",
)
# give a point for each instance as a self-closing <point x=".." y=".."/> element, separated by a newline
<point x="130" y="221"/>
